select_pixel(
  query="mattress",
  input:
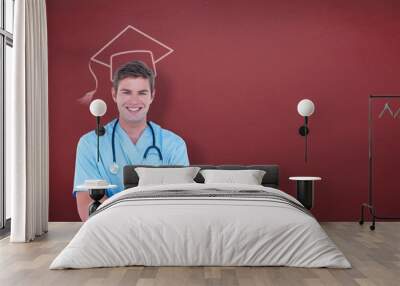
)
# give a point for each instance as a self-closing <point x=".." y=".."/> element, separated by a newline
<point x="201" y="225"/>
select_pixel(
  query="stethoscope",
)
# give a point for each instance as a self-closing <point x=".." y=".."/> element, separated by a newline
<point x="114" y="168"/>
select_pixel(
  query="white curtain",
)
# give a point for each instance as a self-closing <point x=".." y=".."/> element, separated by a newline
<point x="27" y="124"/>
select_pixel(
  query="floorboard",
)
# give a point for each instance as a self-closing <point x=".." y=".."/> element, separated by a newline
<point x="374" y="255"/>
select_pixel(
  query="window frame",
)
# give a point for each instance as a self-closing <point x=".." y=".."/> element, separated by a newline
<point x="6" y="39"/>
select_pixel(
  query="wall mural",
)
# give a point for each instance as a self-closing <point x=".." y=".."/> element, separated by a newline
<point x="229" y="76"/>
<point x="129" y="139"/>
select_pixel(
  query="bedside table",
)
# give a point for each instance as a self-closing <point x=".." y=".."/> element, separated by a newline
<point x="305" y="190"/>
<point x="96" y="193"/>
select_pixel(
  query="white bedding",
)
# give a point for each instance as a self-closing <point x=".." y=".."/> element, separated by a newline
<point x="176" y="231"/>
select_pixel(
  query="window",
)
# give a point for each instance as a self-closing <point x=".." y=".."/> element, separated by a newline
<point x="6" y="63"/>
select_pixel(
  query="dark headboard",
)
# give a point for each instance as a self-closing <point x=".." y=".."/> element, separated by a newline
<point x="271" y="177"/>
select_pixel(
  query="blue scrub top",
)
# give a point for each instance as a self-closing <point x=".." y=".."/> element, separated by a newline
<point x="173" y="149"/>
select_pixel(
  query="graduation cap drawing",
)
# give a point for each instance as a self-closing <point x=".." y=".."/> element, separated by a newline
<point x="128" y="45"/>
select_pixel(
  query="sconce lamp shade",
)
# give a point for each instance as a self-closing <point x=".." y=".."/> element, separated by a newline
<point x="98" y="107"/>
<point x="305" y="107"/>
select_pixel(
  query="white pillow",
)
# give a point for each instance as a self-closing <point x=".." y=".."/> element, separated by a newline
<point x="249" y="177"/>
<point x="162" y="176"/>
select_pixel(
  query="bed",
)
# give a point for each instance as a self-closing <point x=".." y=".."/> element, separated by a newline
<point x="201" y="224"/>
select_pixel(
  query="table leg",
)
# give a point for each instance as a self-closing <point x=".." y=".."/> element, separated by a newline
<point x="305" y="193"/>
<point x="96" y="195"/>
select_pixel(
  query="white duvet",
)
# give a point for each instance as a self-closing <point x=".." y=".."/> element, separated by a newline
<point x="200" y="231"/>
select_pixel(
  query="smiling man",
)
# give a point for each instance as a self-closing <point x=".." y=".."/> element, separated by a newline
<point x="129" y="139"/>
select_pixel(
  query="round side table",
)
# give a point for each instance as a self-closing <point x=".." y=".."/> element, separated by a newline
<point x="96" y="193"/>
<point x="305" y="190"/>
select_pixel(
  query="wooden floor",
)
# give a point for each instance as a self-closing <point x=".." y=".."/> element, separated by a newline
<point x="375" y="257"/>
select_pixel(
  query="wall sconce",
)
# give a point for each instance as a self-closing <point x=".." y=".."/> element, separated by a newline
<point x="98" y="108"/>
<point x="305" y="108"/>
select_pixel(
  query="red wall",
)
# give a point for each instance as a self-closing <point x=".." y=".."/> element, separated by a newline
<point x="231" y="87"/>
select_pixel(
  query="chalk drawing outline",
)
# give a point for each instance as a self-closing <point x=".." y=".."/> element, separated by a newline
<point x="133" y="51"/>
<point x="87" y="98"/>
